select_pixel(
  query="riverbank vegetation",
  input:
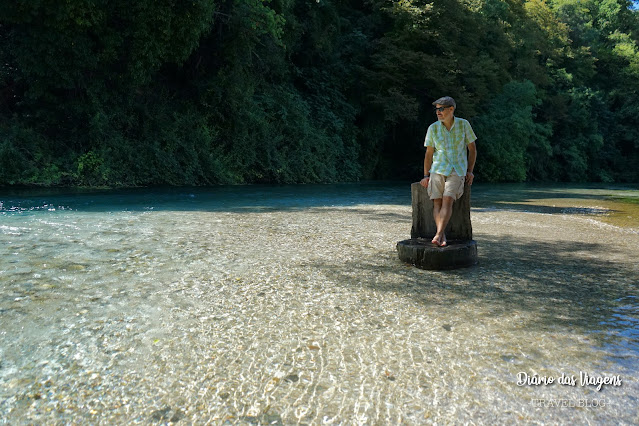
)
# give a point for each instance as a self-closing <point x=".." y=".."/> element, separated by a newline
<point x="121" y="93"/>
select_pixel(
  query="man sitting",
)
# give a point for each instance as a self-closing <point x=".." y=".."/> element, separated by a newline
<point x="447" y="164"/>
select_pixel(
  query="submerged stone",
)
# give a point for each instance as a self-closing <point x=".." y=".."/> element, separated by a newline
<point x="292" y="378"/>
<point x="159" y="415"/>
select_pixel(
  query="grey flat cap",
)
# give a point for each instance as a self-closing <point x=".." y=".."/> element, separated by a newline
<point x="446" y="101"/>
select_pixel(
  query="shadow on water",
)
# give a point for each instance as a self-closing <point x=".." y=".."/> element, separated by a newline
<point x="519" y="207"/>
<point x="514" y="193"/>
<point x="556" y="198"/>
<point x="562" y="284"/>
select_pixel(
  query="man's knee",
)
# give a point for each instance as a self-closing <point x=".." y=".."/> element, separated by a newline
<point x="448" y="201"/>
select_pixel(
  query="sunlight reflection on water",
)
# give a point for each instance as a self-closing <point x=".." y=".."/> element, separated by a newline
<point x="287" y="304"/>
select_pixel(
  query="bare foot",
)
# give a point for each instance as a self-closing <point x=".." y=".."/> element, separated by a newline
<point x="443" y="242"/>
<point x="435" y="240"/>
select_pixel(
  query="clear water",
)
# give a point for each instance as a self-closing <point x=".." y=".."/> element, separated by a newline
<point x="287" y="304"/>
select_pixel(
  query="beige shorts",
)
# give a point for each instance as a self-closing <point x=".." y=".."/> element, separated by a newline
<point x="440" y="186"/>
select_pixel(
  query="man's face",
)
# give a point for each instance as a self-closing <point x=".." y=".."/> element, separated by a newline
<point x="444" y="112"/>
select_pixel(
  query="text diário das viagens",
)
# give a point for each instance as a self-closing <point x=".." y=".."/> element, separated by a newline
<point x="585" y="379"/>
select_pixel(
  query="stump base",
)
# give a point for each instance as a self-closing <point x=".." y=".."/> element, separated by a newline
<point x="426" y="255"/>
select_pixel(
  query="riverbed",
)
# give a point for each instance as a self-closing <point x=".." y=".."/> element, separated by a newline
<point x="287" y="305"/>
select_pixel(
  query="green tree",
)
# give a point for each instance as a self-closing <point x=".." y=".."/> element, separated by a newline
<point x="511" y="142"/>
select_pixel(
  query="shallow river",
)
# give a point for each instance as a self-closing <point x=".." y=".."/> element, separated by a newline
<point x="287" y="305"/>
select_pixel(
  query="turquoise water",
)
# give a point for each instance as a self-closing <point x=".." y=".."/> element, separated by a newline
<point x="223" y="198"/>
<point x="288" y="304"/>
<point x="525" y="197"/>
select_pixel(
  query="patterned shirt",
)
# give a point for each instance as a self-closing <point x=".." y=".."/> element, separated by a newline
<point x="450" y="146"/>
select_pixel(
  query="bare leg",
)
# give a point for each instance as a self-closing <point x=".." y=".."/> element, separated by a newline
<point x="437" y="206"/>
<point x="444" y="211"/>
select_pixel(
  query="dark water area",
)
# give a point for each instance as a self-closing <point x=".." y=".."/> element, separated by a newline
<point x="221" y="198"/>
<point x="525" y="197"/>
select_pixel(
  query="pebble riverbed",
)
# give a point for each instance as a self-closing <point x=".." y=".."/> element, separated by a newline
<point x="307" y="316"/>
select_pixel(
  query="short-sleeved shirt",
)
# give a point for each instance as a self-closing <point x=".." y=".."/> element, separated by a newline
<point x="450" y="146"/>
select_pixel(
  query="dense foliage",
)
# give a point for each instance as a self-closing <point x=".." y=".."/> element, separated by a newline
<point x="123" y="93"/>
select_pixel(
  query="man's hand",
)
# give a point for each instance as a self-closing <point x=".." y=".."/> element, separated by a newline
<point x="424" y="182"/>
<point x="469" y="178"/>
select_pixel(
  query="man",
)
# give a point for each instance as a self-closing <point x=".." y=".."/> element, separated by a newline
<point x="446" y="164"/>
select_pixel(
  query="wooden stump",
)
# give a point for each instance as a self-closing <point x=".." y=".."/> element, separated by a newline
<point x="459" y="226"/>
<point x="461" y="250"/>
<point x="425" y="255"/>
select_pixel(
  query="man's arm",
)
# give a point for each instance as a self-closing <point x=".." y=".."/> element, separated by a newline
<point x="428" y="162"/>
<point x="472" y="157"/>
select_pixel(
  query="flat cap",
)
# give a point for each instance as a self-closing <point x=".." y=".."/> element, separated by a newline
<point x="446" y="101"/>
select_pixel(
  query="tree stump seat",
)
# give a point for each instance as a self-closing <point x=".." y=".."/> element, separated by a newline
<point x="461" y="249"/>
